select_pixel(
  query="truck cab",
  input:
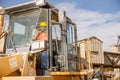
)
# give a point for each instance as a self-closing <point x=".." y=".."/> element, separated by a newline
<point x="61" y="45"/>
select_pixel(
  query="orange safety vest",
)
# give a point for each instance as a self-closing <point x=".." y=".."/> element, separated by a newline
<point x="42" y="36"/>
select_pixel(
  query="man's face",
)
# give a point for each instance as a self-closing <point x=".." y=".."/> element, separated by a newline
<point x="38" y="28"/>
<point x="42" y="28"/>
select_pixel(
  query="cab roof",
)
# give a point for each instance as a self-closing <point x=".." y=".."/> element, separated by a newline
<point x="31" y="5"/>
<point x="25" y="6"/>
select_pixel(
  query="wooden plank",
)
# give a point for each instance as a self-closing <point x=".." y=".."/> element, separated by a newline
<point x="28" y="78"/>
<point x="55" y="76"/>
<point x="18" y="78"/>
<point x="67" y="77"/>
<point x="69" y="73"/>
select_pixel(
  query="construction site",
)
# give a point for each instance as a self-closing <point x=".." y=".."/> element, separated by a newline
<point x="40" y="43"/>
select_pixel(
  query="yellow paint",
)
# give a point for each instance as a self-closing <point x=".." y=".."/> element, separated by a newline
<point x="1" y="20"/>
<point x="28" y="70"/>
<point x="68" y="75"/>
<point x="28" y="78"/>
<point x="10" y="64"/>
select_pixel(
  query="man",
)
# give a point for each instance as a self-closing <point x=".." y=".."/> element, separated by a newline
<point x="41" y="33"/>
<point x="41" y="59"/>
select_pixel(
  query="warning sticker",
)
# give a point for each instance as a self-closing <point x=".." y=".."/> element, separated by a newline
<point x="13" y="63"/>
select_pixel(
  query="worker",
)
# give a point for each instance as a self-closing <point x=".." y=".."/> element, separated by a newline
<point x="41" y="33"/>
<point x="41" y="59"/>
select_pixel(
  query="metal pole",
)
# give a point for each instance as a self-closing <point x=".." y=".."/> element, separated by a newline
<point x="76" y="51"/>
<point x="62" y="20"/>
<point x="102" y="72"/>
<point x="118" y="44"/>
<point x="50" y="60"/>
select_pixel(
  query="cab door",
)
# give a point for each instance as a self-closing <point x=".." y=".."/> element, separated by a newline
<point x="72" y="47"/>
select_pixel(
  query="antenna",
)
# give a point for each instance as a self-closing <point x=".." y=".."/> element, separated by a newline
<point x="118" y="44"/>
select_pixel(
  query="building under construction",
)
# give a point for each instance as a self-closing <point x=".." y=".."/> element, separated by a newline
<point x="92" y="56"/>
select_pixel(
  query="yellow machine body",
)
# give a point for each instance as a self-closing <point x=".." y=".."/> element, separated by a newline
<point x="9" y="64"/>
<point x="22" y="66"/>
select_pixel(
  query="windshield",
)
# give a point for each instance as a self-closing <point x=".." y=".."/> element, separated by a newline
<point x="22" y="26"/>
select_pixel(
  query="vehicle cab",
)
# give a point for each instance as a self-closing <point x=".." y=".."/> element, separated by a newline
<point x="61" y="45"/>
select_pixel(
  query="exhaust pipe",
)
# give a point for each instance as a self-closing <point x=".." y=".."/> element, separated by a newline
<point x="1" y="18"/>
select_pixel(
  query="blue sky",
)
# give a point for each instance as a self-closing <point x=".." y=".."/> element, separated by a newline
<point x="100" y="18"/>
<point x="99" y="5"/>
